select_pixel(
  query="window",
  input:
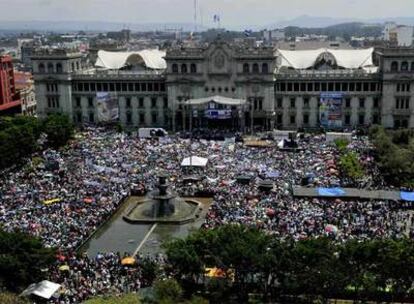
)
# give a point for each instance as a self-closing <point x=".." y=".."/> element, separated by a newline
<point x="306" y="102"/>
<point x="317" y="86"/>
<point x="279" y="119"/>
<point x="375" y="119"/>
<point x="150" y="87"/>
<point x="141" y="102"/>
<point x="193" y="68"/>
<point x="412" y="66"/>
<point x="141" y="118"/>
<point x="73" y="66"/>
<point x="99" y="87"/>
<point x="279" y="103"/>
<point x="394" y="66"/>
<point x="306" y="119"/>
<point x="255" y="68"/>
<point x="90" y="102"/>
<point x="78" y="102"/>
<point x="292" y="103"/>
<point x="50" y="68"/>
<point x="77" y="65"/>
<point x="41" y="67"/>
<point x="91" y="117"/>
<point x="265" y="68"/>
<point x="184" y="68"/>
<point x="128" y="118"/>
<point x="79" y="117"/>
<point x="296" y="87"/>
<point x="156" y="87"/>
<point x="112" y="87"/>
<point x="165" y="102"/>
<point x="362" y="102"/>
<point x="404" y="66"/>
<point x="124" y="87"/>
<point x="376" y="102"/>
<point x="174" y="68"/>
<point x="292" y="119"/>
<point x="130" y="87"/>
<point x="303" y="87"/>
<point x="128" y="102"/>
<point x="59" y="68"/>
<point x="153" y="102"/>
<point x="246" y="68"/>
<point x="143" y="87"/>
<point x="154" y="118"/>
<point x="361" y="119"/>
<point x="347" y="102"/>
<point x="310" y="87"/>
<point x="347" y="119"/>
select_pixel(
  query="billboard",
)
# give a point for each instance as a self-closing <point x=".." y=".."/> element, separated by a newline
<point x="107" y="107"/>
<point x="218" y="114"/>
<point x="330" y="110"/>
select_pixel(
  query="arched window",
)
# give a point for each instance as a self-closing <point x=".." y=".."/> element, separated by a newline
<point x="193" y="68"/>
<point x="59" y="68"/>
<point x="183" y="68"/>
<point x="246" y="68"/>
<point x="50" y="68"/>
<point x="77" y="65"/>
<point x="42" y="67"/>
<point x="404" y="66"/>
<point x="255" y="68"/>
<point x="394" y="66"/>
<point x="73" y="66"/>
<point x="174" y="68"/>
<point x="265" y="68"/>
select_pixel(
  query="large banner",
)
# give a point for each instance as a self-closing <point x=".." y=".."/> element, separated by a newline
<point x="213" y="112"/>
<point x="330" y="110"/>
<point x="107" y="106"/>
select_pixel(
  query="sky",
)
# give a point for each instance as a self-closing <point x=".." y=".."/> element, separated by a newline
<point x="234" y="13"/>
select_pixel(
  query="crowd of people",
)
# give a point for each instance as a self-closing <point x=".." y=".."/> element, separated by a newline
<point x="64" y="196"/>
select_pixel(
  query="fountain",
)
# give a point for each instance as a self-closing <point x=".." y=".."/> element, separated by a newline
<point x="163" y="206"/>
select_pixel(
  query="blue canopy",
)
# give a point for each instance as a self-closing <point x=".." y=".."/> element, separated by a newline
<point x="407" y="196"/>
<point x="272" y="174"/>
<point x="331" y="192"/>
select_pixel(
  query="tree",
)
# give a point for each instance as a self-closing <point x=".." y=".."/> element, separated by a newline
<point x="124" y="299"/>
<point x="168" y="291"/>
<point x="10" y="298"/>
<point x="58" y="129"/>
<point x="22" y="258"/>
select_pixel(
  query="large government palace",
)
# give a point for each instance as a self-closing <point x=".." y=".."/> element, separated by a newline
<point x="230" y="86"/>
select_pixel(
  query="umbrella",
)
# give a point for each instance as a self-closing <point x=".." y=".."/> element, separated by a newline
<point x="88" y="200"/>
<point x="64" y="268"/>
<point x="128" y="261"/>
<point x="270" y="212"/>
<point x="61" y="257"/>
<point x="331" y="229"/>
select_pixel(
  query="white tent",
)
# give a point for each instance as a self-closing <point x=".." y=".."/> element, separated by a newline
<point x="194" y="161"/>
<point x="44" y="289"/>
<point x="152" y="59"/>
<point x="348" y="59"/>
<point x="217" y="99"/>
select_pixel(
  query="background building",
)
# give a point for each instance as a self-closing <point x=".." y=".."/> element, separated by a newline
<point x="9" y="98"/>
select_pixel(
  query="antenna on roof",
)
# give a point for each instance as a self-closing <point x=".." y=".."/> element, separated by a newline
<point x="195" y="15"/>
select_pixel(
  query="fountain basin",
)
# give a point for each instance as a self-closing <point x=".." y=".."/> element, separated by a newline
<point x="146" y="212"/>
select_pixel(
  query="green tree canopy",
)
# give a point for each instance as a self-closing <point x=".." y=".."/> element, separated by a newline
<point x="22" y="258"/>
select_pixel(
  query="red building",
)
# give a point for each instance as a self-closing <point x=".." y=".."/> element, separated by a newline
<point x="9" y="98"/>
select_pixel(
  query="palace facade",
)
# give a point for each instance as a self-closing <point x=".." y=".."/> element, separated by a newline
<point x="281" y="89"/>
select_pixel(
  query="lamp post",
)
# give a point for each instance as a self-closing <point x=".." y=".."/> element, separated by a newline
<point x="255" y="90"/>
